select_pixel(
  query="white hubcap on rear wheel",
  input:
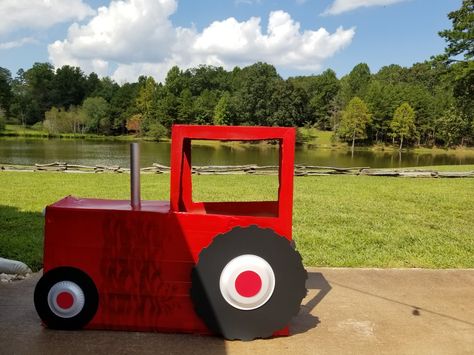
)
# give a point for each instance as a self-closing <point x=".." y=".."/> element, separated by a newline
<point x="66" y="299"/>
<point x="247" y="282"/>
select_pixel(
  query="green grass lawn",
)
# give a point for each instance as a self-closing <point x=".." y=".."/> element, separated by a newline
<point x="354" y="221"/>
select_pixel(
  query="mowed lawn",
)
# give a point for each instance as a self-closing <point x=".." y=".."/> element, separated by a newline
<point x="352" y="221"/>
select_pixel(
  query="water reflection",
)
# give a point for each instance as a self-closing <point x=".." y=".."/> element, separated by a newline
<point x="30" y="151"/>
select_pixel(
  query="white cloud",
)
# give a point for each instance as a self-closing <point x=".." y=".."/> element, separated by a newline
<point x="17" y="43"/>
<point x="136" y="37"/>
<point x="37" y="14"/>
<point x="340" y="6"/>
<point x="283" y="44"/>
<point x="124" y="32"/>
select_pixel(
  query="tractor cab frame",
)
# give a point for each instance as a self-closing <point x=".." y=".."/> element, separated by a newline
<point x="181" y="170"/>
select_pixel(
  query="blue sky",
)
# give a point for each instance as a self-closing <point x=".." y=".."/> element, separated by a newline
<point x="299" y="37"/>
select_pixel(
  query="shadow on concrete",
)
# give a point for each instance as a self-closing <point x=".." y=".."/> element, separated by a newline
<point x="415" y="310"/>
<point x="21" y="332"/>
<point x="318" y="287"/>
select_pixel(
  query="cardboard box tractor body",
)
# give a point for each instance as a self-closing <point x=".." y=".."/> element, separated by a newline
<point x="224" y="268"/>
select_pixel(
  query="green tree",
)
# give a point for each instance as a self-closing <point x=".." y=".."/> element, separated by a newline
<point x="335" y="114"/>
<point x="38" y="81"/>
<point x="96" y="111"/>
<point x="206" y="77"/>
<point x="2" y="119"/>
<point x="423" y="102"/>
<point x="146" y="101"/>
<point x="185" y="106"/>
<point x="204" y="107"/>
<point x="6" y="94"/>
<point x="321" y="91"/>
<point x="52" y="120"/>
<point x="354" y="121"/>
<point x="429" y="74"/>
<point x="382" y="99"/>
<point x="92" y="84"/>
<point x="403" y="123"/>
<point x="24" y="106"/>
<point x="222" y="110"/>
<point x="460" y="42"/>
<point x="106" y="89"/>
<point x="61" y="120"/>
<point x="254" y="88"/>
<point x="324" y="89"/>
<point x="176" y="81"/>
<point x="68" y="87"/>
<point x="122" y="106"/>
<point x="355" y="83"/>
<point x="463" y="88"/>
<point x="288" y="105"/>
<point x="391" y="74"/>
<point x="460" y="37"/>
<point x="167" y="108"/>
<point x="453" y="128"/>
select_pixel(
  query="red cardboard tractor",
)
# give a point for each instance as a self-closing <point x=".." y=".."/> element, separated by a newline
<point x="176" y="266"/>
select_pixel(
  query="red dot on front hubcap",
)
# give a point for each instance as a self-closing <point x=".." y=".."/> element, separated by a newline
<point x="248" y="284"/>
<point x="64" y="300"/>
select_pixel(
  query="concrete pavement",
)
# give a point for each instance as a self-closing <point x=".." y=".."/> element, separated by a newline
<point x="347" y="311"/>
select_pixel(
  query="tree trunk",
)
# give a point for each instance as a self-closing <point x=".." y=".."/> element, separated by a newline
<point x="401" y="143"/>
<point x="23" y="119"/>
<point x="353" y="141"/>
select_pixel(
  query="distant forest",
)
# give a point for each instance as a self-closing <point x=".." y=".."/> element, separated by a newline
<point x="429" y="103"/>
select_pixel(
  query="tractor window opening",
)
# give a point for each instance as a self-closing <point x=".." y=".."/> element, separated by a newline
<point x="235" y="171"/>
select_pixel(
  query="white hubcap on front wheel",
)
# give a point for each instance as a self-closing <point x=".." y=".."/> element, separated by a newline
<point x="247" y="282"/>
<point x="66" y="299"/>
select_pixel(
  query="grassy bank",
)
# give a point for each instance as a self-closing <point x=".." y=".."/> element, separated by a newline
<point x="19" y="131"/>
<point x="338" y="220"/>
<point x="318" y="138"/>
<point x="325" y="140"/>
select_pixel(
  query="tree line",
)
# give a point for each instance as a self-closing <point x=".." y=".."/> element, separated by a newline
<point x="429" y="103"/>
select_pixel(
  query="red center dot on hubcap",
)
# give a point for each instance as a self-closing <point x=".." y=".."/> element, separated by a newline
<point x="248" y="284"/>
<point x="64" y="300"/>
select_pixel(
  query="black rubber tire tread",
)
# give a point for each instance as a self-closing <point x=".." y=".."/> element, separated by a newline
<point x="77" y="276"/>
<point x="276" y="313"/>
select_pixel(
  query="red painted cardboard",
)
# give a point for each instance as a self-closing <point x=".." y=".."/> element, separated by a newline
<point x="141" y="259"/>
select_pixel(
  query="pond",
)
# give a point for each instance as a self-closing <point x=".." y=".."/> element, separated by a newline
<point x="94" y="152"/>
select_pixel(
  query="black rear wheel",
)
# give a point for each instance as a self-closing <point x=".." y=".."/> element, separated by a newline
<point x="66" y="298"/>
<point x="248" y="283"/>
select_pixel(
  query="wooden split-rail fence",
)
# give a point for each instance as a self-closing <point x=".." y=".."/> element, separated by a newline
<point x="300" y="170"/>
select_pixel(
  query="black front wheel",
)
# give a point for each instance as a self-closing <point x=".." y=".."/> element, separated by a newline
<point x="248" y="283"/>
<point x="66" y="298"/>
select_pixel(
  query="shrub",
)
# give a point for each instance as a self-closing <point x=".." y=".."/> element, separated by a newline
<point x="38" y="126"/>
<point x="157" y="131"/>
